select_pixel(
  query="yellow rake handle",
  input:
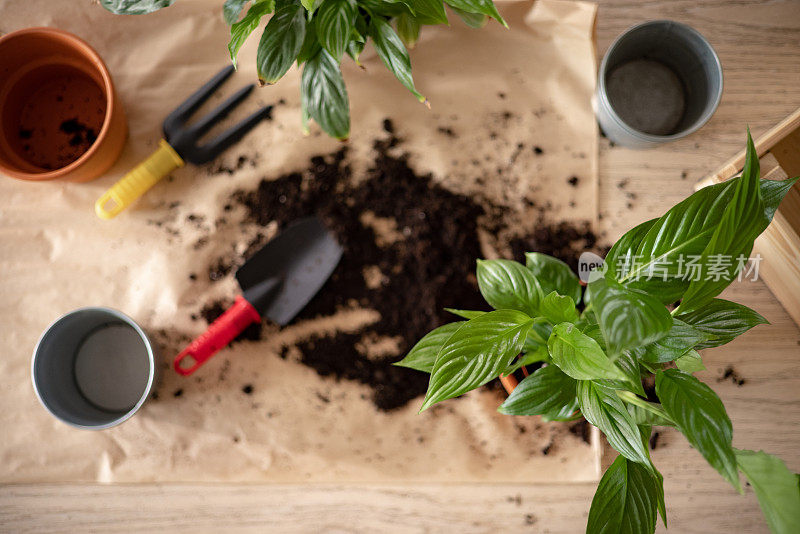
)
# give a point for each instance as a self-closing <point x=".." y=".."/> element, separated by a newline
<point x="123" y="193"/>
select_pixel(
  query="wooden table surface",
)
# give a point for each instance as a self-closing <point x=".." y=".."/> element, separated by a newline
<point x="759" y="45"/>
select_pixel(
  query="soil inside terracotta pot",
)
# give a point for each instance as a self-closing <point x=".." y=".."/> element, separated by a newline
<point x="409" y="251"/>
<point x="61" y="116"/>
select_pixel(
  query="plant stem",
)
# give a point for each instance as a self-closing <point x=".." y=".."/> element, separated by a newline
<point x="651" y="407"/>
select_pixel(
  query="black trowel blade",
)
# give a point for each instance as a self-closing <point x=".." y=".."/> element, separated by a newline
<point x="282" y="277"/>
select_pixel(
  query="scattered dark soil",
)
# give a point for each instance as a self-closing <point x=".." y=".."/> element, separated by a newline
<point x="654" y="440"/>
<point x="429" y="267"/>
<point x="581" y="429"/>
<point x="563" y="240"/>
<point x="731" y="374"/>
<point x="241" y="162"/>
<point x="80" y="134"/>
<point x="219" y="269"/>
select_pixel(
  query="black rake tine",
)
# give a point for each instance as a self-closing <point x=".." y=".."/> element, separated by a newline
<point x="205" y="123"/>
<point x="229" y="137"/>
<point x="175" y="120"/>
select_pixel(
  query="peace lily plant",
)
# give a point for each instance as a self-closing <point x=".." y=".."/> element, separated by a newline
<point x="316" y="34"/>
<point x="642" y="320"/>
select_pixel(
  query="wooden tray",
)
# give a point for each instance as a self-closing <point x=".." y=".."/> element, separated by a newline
<point x="779" y="245"/>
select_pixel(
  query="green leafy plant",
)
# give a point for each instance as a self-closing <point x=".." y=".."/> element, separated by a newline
<point x="642" y="322"/>
<point x="317" y="34"/>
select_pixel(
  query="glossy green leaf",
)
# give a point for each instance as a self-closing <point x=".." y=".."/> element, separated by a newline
<point x="680" y="338"/>
<point x="623" y="254"/>
<point x="628" y="363"/>
<point x="579" y="356"/>
<point x="529" y="357"/>
<point x="506" y="284"/>
<point x="645" y="412"/>
<point x="466" y="314"/>
<point x="723" y="320"/>
<point x="311" y="5"/>
<point x="691" y="362"/>
<point x="324" y="96"/>
<point x="776" y="489"/>
<point x="548" y="392"/>
<point x="483" y="7"/>
<point x="335" y="22"/>
<point x="393" y="53"/>
<point x="558" y="309"/>
<point x="241" y="30"/>
<point x="134" y="7"/>
<point x="646" y="417"/>
<point x="386" y="8"/>
<point x="537" y="338"/>
<point x="281" y="43"/>
<point x="476" y="353"/>
<point x="231" y="10"/>
<point x="773" y="192"/>
<point x="605" y="410"/>
<point x="744" y="219"/>
<point x="701" y="417"/>
<point x="655" y="255"/>
<point x="428" y="11"/>
<point x="311" y="46"/>
<point x="408" y="30"/>
<point x="660" y="258"/>
<point x="626" y="500"/>
<point x="627" y="318"/>
<point x="354" y="49"/>
<point x="422" y="356"/>
<point x="593" y="331"/>
<point x="361" y="29"/>
<point x="541" y="332"/>
<point x="473" y="20"/>
<point x="661" y="505"/>
<point x="553" y="275"/>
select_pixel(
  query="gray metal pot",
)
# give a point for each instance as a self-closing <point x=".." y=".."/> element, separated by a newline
<point x="93" y="368"/>
<point x="659" y="81"/>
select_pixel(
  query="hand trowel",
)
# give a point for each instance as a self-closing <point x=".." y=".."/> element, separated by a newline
<point x="277" y="282"/>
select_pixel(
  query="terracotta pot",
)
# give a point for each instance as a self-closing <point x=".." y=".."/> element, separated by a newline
<point x="60" y="116"/>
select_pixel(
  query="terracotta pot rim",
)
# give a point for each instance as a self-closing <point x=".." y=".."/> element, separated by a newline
<point x="108" y="91"/>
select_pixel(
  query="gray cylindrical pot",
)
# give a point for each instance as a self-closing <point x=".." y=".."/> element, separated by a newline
<point x="659" y="81"/>
<point x="93" y="368"/>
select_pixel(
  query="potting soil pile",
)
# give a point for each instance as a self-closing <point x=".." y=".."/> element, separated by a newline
<point x="504" y="161"/>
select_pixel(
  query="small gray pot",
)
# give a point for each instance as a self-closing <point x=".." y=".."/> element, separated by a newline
<point x="93" y="368"/>
<point x="659" y="81"/>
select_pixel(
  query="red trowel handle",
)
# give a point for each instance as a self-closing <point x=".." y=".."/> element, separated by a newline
<point x="221" y="332"/>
